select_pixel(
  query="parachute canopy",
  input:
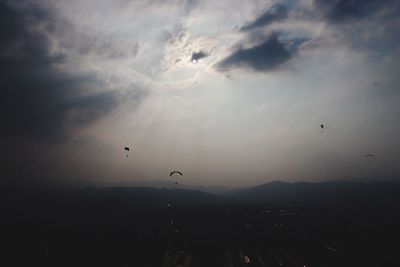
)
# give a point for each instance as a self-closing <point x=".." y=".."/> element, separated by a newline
<point x="173" y="172"/>
<point x="369" y="157"/>
<point x="127" y="149"/>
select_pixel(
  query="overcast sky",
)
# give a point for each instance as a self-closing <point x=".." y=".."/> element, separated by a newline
<point x="229" y="92"/>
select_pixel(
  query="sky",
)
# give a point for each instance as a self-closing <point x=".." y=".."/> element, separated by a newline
<point x="230" y="93"/>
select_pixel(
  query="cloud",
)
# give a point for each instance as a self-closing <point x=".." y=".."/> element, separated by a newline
<point x="266" y="56"/>
<point x="340" y="11"/>
<point x="39" y="99"/>
<point x="198" y="55"/>
<point x="189" y="5"/>
<point x="276" y="12"/>
<point x="368" y="26"/>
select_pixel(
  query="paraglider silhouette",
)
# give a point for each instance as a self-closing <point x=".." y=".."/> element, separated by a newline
<point x="322" y="128"/>
<point x="127" y="149"/>
<point x="370" y="157"/>
<point x="178" y="172"/>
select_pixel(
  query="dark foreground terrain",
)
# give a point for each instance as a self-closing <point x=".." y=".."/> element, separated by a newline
<point x="276" y="224"/>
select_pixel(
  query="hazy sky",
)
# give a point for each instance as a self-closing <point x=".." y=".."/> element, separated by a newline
<point x="229" y="92"/>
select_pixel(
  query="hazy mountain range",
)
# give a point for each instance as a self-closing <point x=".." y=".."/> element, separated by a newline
<point x="335" y="192"/>
<point x="216" y="190"/>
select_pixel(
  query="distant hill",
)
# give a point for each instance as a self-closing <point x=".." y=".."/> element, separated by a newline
<point x="148" y="196"/>
<point x="372" y="193"/>
<point x="324" y="193"/>
<point x="216" y="190"/>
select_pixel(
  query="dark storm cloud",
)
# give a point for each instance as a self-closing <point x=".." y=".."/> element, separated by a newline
<point x="84" y="110"/>
<point x="266" y="56"/>
<point x="276" y="12"/>
<point x="338" y="11"/>
<point x="368" y="25"/>
<point x="198" y="55"/>
<point x="87" y="44"/>
<point x="37" y="99"/>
